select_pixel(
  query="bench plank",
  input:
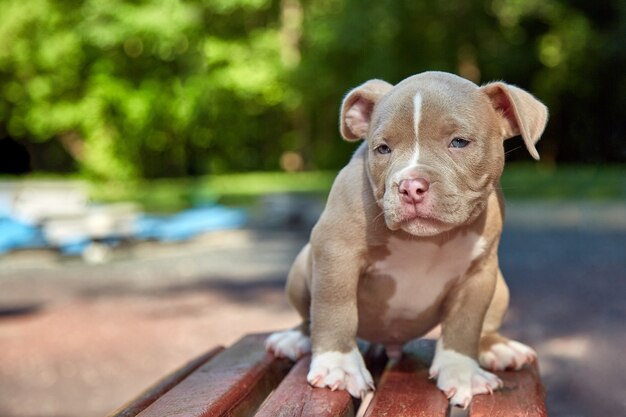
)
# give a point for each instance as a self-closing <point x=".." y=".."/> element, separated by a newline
<point x="234" y="383"/>
<point x="522" y="395"/>
<point x="237" y="380"/>
<point x="405" y="390"/>
<point x="153" y="393"/>
<point x="294" y="397"/>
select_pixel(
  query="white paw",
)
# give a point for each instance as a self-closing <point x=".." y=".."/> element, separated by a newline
<point x="460" y="377"/>
<point x="337" y="370"/>
<point x="292" y="344"/>
<point x="509" y="355"/>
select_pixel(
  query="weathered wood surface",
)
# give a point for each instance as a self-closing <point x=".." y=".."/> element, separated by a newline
<point x="244" y="380"/>
<point x="294" y="397"/>
<point x="405" y="390"/>
<point x="523" y="395"/>
<point x="153" y="393"/>
<point x="233" y="383"/>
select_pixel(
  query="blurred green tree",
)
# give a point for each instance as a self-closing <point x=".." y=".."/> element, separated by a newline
<point x="155" y="88"/>
<point x="148" y="88"/>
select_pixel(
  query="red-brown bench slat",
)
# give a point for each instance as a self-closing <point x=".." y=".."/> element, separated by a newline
<point x="405" y="390"/>
<point x="153" y="393"/>
<point x="522" y="395"/>
<point x="294" y="397"/>
<point x="233" y="383"/>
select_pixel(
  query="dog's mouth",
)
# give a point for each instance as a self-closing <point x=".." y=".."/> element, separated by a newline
<point x="420" y="224"/>
<point x="425" y="221"/>
<point x="419" y="213"/>
<point x="424" y="218"/>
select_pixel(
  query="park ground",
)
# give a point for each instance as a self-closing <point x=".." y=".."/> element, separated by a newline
<point x="78" y="340"/>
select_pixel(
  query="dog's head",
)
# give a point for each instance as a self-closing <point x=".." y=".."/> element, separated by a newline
<point x="435" y="149"/>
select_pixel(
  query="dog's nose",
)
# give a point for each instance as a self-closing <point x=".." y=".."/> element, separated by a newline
<point x="412" y="190"/>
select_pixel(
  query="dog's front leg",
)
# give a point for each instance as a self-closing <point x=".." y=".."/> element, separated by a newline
<point x="455" y="364"/>
<point x="337" y="362"/>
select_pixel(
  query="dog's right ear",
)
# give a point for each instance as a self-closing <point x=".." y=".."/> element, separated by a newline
<point x="357" y="107"/>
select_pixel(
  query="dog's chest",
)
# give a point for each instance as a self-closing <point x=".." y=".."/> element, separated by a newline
<point x="412" y="275"/>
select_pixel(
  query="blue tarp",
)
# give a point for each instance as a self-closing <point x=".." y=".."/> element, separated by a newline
<point x="188" y="223"/>
<point x="180" y="226"/>
<point x="15" y="234"/>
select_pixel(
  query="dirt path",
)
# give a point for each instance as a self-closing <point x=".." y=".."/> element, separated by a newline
<point x="81" y="340"/>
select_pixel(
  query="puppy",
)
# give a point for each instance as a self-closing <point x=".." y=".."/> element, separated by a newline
<point x="409" y="236"/>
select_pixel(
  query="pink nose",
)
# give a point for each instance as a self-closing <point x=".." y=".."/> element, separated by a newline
<point x="413" y="190"/>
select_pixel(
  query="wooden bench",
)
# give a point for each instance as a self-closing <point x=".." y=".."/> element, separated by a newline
<point x="244" y="380"/>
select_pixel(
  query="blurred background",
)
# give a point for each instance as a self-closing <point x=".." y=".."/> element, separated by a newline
<point x="162" y="161"/>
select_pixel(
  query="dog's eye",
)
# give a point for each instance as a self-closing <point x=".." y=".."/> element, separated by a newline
<point x="459" y="143"/>
<point x="383" y="149"/>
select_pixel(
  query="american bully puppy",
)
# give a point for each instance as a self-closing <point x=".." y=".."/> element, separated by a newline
<point x="409" y="236"/>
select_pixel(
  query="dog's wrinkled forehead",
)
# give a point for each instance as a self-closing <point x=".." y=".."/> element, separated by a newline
<point x="419" y="98"/>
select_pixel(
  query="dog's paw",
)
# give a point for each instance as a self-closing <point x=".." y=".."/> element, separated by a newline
<point x="506" y="355"/>
<point x="345" y="371"/>
<point x="292" y="344"/>
<point x="460" y="377"/>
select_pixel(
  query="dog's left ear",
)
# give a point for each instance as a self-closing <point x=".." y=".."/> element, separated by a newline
<point x="357" y="108"/>
<point x="523" y="114"/>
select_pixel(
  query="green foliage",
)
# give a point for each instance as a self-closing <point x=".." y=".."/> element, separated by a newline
<point x="152" y="88"/>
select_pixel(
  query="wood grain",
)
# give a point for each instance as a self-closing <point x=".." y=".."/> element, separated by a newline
<point x="405" y="390"/>
<point x="234" y="383"/>
<point x="294" y="397"/>
<point x="153" y="393"/>
<point x="522" y="395"/>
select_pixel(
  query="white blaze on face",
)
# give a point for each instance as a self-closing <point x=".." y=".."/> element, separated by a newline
<point x="413" y="162"/>
<point x="417" y="115"/>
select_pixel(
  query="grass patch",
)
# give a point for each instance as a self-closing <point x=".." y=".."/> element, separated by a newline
<point x="271" y="182"/>
<point x="166" y="195"/>
<point x="519" y="181"/>
<point x="564" y="182"/>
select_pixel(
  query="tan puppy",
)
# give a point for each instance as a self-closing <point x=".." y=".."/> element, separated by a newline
<point x="409" y="236"/>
